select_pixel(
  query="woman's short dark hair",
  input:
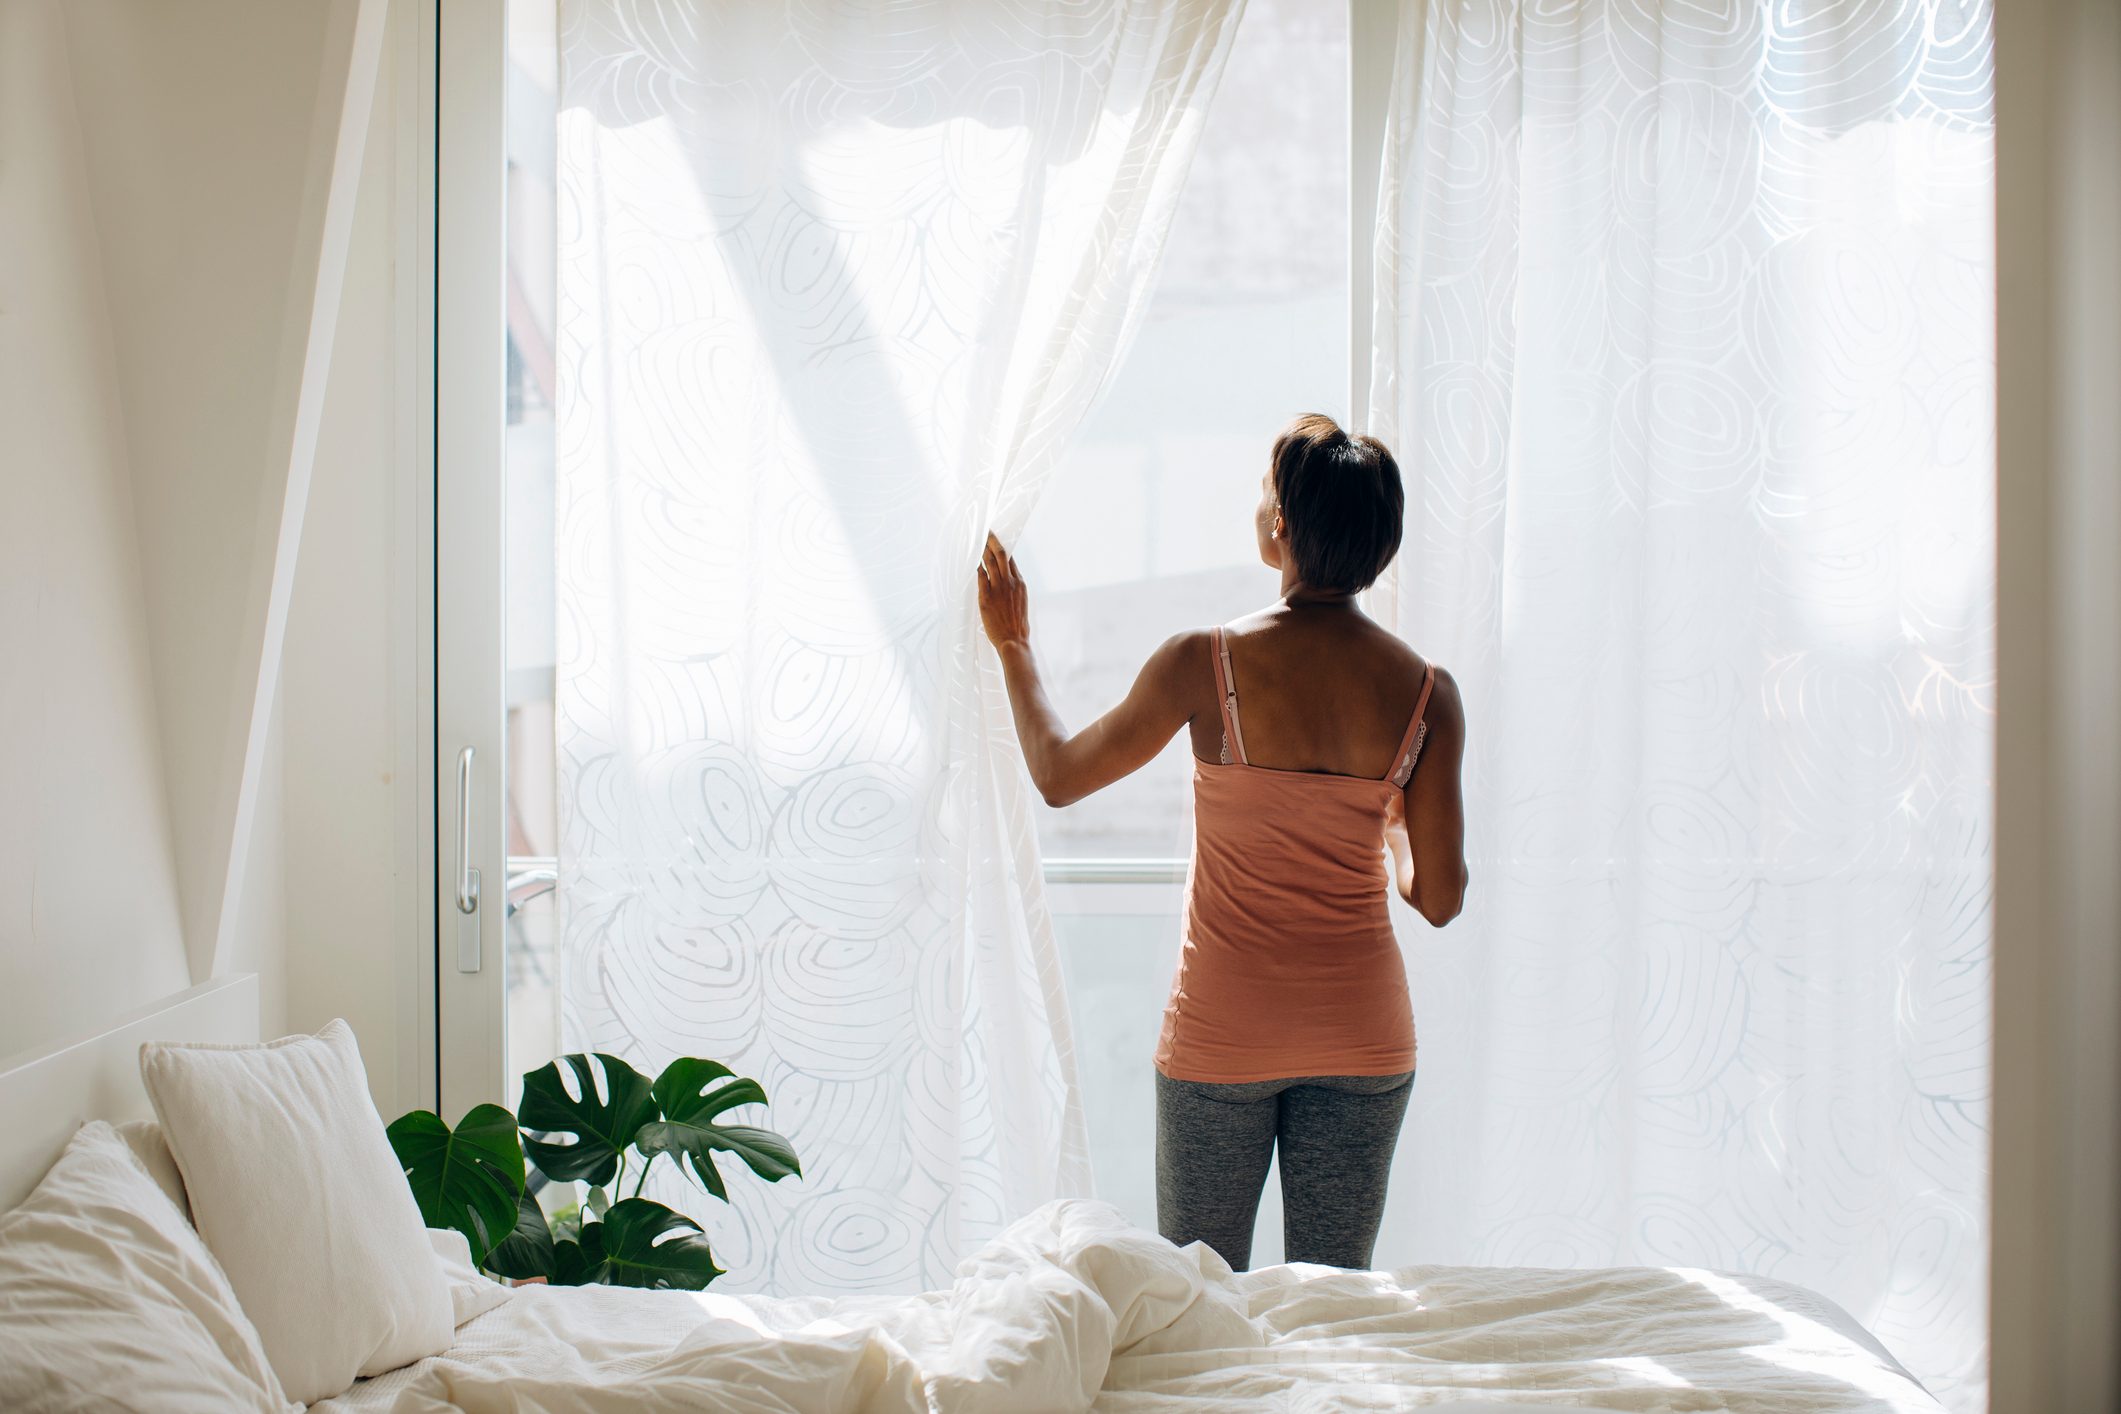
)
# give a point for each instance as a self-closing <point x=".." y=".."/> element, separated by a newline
<point x="1341" y="503"/>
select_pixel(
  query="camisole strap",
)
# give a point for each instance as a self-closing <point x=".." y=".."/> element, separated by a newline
<point x="1417" y="732"/>
<point x="1226" y="694"/>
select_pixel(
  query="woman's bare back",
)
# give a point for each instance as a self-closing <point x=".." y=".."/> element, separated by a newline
<point x="1322" y="689"/>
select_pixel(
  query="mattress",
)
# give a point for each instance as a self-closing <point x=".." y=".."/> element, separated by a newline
<point x="1073" y="1309"/>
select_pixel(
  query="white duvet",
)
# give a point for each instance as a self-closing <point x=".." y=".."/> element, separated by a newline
<point x="1073" y="1308"/>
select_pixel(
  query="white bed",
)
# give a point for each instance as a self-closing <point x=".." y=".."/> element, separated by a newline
<point x="1070" y="1308"/>
<point x="1073" y="1306"/>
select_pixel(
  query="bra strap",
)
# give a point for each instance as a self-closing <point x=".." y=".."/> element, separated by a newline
<point x="1226" y="695"/>
<point x="1417" y="732"/>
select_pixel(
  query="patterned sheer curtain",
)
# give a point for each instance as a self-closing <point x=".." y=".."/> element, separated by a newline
<point x="835" y="280"/>
<point x="1684" y="342"/>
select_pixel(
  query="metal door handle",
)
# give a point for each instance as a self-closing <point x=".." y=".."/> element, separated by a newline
<point x="467" y="877"/>
<point x="468" y="918"/>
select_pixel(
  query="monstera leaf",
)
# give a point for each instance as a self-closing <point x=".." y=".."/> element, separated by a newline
<point x="622" y="1250"/>
<point x="580" y="1263"/>
<point x="526" y="1251"/>
<point x="603" y="1125"/>
<point x="467" y="1178"/>
<point x="644" y="1243"/>
<point x="690" y="1094"/>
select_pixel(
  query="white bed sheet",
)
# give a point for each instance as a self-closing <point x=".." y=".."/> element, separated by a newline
<point x="1072" y="1308"/>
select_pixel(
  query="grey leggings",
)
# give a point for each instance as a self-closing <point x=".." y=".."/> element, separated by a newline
<point x="1336" y="1134"/>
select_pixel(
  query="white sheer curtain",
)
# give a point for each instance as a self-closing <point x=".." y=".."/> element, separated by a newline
<point x="836" y="280"/>
<point x="1684" y="343"/>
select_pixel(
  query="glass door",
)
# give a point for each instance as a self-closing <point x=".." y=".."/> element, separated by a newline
<point x="499" y="985"/>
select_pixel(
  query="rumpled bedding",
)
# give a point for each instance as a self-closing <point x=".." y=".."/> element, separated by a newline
<point x="1073" y="1309"/>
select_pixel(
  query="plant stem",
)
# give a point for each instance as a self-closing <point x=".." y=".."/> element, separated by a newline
<point x="644" y="1175"/>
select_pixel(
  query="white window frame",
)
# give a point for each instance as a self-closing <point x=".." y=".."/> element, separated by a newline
<point x="470" y="265"/>
<point x="411" y="34"/>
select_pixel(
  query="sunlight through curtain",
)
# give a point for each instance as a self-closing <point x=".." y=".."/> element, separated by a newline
<point x="1684" y="341"/>
<point x="835" y="281"/>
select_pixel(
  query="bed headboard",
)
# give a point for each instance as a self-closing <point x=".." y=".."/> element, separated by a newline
<point x="47" y="1094"/>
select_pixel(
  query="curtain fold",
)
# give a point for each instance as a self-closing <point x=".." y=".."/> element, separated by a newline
<point x="1684" y="341"/>
<point x="836" y="281"/>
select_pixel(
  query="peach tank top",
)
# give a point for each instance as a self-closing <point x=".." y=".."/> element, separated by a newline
<point x="1288" y="966"/>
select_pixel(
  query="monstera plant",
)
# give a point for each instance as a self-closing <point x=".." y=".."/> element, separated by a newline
<point x="482" y="1177"/>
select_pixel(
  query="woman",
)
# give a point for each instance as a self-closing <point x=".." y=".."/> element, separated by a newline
<point x="1319" y="740"/>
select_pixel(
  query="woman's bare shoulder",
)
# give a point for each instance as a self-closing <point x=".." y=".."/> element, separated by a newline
<point x="1177" y="666"/>
<point x="1186" y="645"/>
<point x="1397" y="655"/>
<point x="1405" y="666"/>
<point x="1256" y="621"/>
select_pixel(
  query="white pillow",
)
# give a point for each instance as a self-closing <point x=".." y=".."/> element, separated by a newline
<point x="295" y="1189"/>
<point x="109" y="1300"/>
<point x="144" y="1138"/>
<point x="471" y="1292"/>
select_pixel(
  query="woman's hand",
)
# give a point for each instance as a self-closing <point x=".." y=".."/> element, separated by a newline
<point x="1004" y="602"/>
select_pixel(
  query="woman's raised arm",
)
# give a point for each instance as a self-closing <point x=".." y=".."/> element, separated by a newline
<point x="1066" y="768"/>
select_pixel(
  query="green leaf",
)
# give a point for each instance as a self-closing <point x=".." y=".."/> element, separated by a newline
<point x="527" y="1251"/>
<point x="644" y="1243"/>
<point x="770" y="1156"/>
<point x="691" y="1093"/>
<point x="602" y="1125"/>
<point x="690" y="1089"/>
<point x="597" y="1203"/>
<point x="581" y="1263"/>
<point x="468" y="1178"/>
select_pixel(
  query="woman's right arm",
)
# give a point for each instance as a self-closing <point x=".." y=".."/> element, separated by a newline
<point x="1429" y="843"/>
<point x="1066" y="767"/>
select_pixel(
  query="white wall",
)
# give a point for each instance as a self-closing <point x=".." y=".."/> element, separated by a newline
<point x="258" y="939"/>
<point x="2056" y="1200"/>
<point x="176" y="193"/>
<point x="211" y="130"/>
<point x="344" y="672"/>
<point x="89" y="923"/>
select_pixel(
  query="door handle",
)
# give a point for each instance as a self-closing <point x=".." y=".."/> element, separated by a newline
<point x="467" y="876"/>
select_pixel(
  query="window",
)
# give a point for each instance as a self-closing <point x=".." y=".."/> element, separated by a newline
<point x="1146" y="526"/>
